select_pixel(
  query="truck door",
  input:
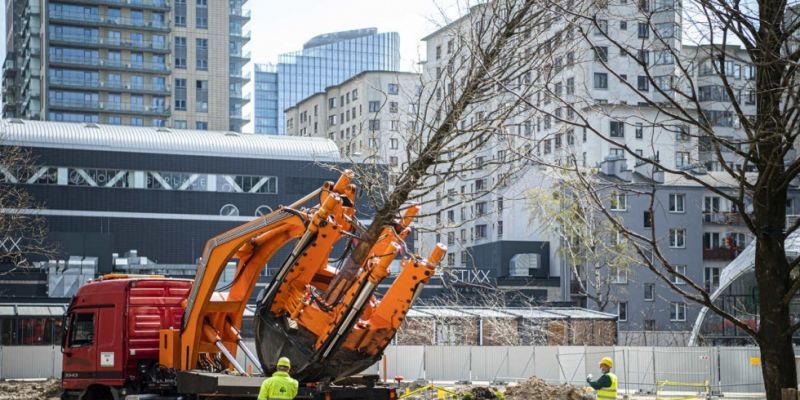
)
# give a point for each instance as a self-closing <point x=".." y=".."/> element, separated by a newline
<point x="80" y="349"/>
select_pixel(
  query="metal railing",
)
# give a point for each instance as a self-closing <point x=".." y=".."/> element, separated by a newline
<point x="110" y="20"/>
<point x="109" y="106"/>
<point x="96" y="61"/>
<point x="161" y="4"/>
<point x="112" y="42"/>
<point x="722" y="254"/>
<point x="113" y="85"/>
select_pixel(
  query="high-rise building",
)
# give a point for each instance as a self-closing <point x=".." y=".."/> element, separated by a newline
<point x="145" y="62"/>
<point x="325" y="60"/>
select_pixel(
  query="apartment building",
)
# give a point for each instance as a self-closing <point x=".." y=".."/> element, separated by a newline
<point x="368" y="116"/>
<point x="600" y="74"/>
<point x="325" y="60"/>
<point x="143" y="63"/>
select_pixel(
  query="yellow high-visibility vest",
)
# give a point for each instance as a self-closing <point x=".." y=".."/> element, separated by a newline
<point x="608" y="393"/>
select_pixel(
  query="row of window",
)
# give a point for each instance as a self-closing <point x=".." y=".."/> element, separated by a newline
<point x="343" y="99"/>
<point x="201" y="13"/>
<point x="200" y="93"/>
<point x="677" y="313"/>
<point x="201" y="53"/>
<point x="135" y="60"/>
<point x="92" y="35"/>
<point x="154" y="180"/>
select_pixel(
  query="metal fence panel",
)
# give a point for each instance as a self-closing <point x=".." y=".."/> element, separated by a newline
<point x="521" y="362"/>
<point x="19" y="362"/>
<point x="635" y="368"/>
<point x="572" y="364"/>
<point x="740" y="370"/>
<point x="405" y="361"/>
<point x="489" y="362"/>
<point x="684" y="364"/>
<point x="545" y="364"/>
<point x="447" y="363"/>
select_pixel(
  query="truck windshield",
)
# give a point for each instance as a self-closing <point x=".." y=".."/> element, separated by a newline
<point x="82" y="330"/>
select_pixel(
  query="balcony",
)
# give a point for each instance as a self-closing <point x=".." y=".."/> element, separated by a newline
<point x="102" y="20"/>
<point x="239" y="96"/>
<point x="722" y="218"/>
<point x="120" y="65"/>
<point x="239" y="75"/>
<point x="109" y="86"/>
<point x="239" y="12"/>
<point x="720" y="254"/>
<point x="241" y="54"/>
<point x="161" y="5"/>
<point x="243" y="34"/>
<point x="240" y="116"/>
<point x="105" y="107"/>
<point x="114" y="43"/>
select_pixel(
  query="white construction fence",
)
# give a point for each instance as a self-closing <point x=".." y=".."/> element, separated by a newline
<point x="727" y="369"/>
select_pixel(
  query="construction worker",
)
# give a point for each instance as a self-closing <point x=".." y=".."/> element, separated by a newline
<point x="280" y="386"/>
<point x="606" y="385"/>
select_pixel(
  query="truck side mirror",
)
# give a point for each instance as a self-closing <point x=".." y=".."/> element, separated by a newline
<point x="64" y="331"/>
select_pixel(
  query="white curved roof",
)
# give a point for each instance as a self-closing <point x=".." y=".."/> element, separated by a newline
<point x="742" y="264"/>
<point x="83" y="136"/>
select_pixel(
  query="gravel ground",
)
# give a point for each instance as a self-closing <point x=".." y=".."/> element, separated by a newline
<point x="28" y="390"/>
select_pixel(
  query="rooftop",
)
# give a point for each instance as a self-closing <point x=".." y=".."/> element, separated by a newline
<point x="83" y="136"/>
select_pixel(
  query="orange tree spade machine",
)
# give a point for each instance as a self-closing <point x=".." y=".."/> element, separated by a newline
<point x="323" y="314"/>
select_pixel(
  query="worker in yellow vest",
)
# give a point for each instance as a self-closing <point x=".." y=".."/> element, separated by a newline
<point x="606" y="385"/>
<point x="280" y="386"/>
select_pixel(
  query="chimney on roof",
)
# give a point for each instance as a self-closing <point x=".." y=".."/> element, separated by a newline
<point x="649" y="171"/>
<point x="614" y="165"/>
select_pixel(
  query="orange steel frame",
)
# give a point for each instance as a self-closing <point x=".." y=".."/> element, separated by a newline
<point x="212" y="316"/>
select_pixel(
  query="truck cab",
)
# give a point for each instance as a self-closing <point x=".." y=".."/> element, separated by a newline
<point x="110" y="345"/>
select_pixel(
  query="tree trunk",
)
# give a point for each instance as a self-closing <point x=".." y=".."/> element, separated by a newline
<point x="775" y="337"/>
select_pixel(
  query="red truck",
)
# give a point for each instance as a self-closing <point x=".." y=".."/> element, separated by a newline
<point x="111" y="348"/>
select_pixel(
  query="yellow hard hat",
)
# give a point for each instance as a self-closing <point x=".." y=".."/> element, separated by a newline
<point x="607" y="361"/>
<point x="284" y="362"/>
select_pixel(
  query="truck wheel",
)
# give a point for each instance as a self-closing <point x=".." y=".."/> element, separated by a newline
<point x="98" y="393"/>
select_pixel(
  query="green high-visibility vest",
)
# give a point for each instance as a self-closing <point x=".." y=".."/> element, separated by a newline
<point x="608" y="393"/>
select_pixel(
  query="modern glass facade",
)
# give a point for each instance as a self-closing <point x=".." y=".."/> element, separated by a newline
<point x="325" y="60"/>
<point x="116" y="62"/>
<point x="266" y="101"/>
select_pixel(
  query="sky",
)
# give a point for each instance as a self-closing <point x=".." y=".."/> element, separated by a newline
<point x="281" y="26"/>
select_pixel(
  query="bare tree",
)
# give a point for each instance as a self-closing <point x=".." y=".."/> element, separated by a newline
<point x="730" y="98"/>
<point x="22" y="232"/>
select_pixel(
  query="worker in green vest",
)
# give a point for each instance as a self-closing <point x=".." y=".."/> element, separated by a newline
<point x="280" y="386"/>
<point x="606" y="385"/>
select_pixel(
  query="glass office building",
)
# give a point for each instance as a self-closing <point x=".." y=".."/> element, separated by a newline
<point x="325" y="60"/>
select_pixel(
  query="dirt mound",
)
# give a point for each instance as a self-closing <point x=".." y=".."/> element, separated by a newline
<point x="482" y="393"/>
<point x="21" y="390"/>
<point x="535" y="388"/>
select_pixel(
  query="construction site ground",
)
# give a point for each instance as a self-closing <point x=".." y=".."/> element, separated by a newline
<point x="533" y="388"/>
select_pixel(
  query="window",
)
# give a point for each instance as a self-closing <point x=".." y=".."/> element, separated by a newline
<point x="682" y="159"/>
<point x="620" y="276"/>
<point x="480" y="231"/>
<point x="619" y="202"/>
<point x="644" y="30"/>
<point x="180" y="94"/>
<point x="374" y="124"/>
<point x="201" y="54"/>
<point x="499" y="204"/>
<point x="649" y="292"/>
<point x="201" y="12"/>
<point x="677" y="312"/>
<point x="677" y="238"/>
<point x="600" y="80"/>
<point x="643" y="56"/>
<point x="677" y="202"/>
<point x="642" y="83"/>
<point x="711" y="278"/>
<point x="373" y="106"/>
<point x="601" y="28"/>
<point x="393" y="107"/>
<point x="617" y="129"/>
<point x="393" y="88"/>
<point x="601" y="53"/>
<point x="639" y="130"/>
<point x="180" y="124"/>
<point x="394" y="144"/>
<point x="570" y="86"/>
<point x="649" y="324"/>
<point x="451" y="239"/>
<point x="623" y="25"/>
<point x="622" y="311"/>
<point x="480" y="209"/>
<point x="81" y="331"/>
<point x="203" y="126"/>
<point x="180" y="12"/>
<point x="201" y="96"/>
<point x="647" y="219"/>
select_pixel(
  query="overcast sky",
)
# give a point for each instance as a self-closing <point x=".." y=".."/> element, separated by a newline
<point x="281" y="26"/>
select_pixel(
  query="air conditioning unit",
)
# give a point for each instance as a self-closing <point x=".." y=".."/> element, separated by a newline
<point x="127" y="65"/>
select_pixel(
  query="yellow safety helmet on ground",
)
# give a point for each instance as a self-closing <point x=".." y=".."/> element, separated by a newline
<point x="284" y="362"/>
<point x="607" y="361"/>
